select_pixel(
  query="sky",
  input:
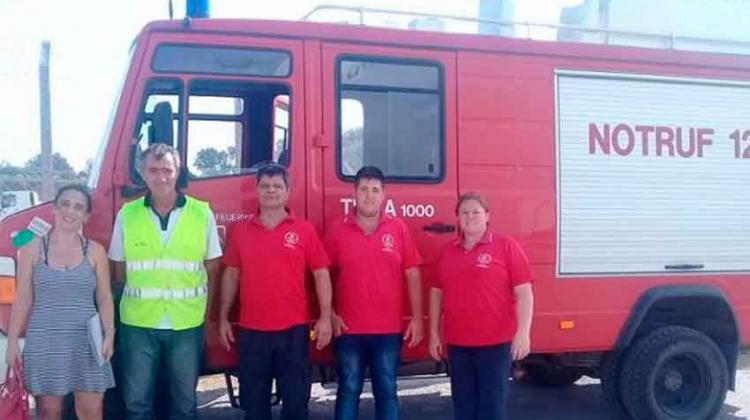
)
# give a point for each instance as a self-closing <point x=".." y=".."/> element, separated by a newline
<point x="90" y="40"/>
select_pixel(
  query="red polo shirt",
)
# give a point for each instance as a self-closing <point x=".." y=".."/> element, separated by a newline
<point x="478" y="296"/>
<point x="369" y="280"/>
<point x="272" y="264"/>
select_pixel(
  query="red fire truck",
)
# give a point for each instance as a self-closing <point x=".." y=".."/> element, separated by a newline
<point x="620" y="169"/>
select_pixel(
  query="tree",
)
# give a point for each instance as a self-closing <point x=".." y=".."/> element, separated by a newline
<point x="29" y="176"/>
<point x="14" y="178"/>
<point x="6" y="169"/>
<point x="60" y="166"/>
<point x="84" y="174"/>
<point x="212" y="162"/>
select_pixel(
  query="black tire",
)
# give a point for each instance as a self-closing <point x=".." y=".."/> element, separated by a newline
<point x="609" y="375"/>
<point x="552" y="375"/>
<point x="674" y="373"/>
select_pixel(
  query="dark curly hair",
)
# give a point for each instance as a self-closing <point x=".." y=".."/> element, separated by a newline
<point x="75" y="187"/>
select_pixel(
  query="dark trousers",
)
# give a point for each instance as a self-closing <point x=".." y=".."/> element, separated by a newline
<point x="283" y="355"/>
<point x="479" y="381"/>
<point x="146" y="352"/>
<point x="381" y="353"/>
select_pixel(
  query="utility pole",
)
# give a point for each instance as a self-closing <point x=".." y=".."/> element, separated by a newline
<point x="45" y="129"/>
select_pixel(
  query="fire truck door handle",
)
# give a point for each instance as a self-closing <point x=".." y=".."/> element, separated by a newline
<point x="319" y="140"/>
<point x="684" y="267"/>
<point x="438" y="227"/>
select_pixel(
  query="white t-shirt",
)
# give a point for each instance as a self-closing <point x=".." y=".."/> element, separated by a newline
<point x="213" y="245"/>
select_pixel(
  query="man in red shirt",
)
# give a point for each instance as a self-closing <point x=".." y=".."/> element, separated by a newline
<point x="372" y="253"/>
<point x="267" y="257"/>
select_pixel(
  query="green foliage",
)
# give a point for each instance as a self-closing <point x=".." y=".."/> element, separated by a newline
<point x="29" y="176"/>
<point x="212" y="162"/>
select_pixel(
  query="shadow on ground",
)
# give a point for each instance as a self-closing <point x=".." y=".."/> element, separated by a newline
<point x="429" y="399"/>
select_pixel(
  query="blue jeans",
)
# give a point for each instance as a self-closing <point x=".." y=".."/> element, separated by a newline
<point x="144" y="351"/>
<point x="265" y="355"/>
<point x="479" y="381"/>
<point x="382" y="354"/>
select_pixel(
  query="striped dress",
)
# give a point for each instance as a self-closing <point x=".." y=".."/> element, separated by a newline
<point x="57" y="356"/>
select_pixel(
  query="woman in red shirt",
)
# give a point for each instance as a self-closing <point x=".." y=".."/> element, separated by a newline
<point x="485" y="297"/>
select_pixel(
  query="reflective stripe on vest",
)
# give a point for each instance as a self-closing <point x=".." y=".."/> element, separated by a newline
<point x="169" y="294"/>
<point x="165" y="264"/>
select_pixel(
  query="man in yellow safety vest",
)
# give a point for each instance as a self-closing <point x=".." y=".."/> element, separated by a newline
<point x="164" y="247"/>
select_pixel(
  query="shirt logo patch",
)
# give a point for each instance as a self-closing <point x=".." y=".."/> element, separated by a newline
<point x="291" y="239"/>
<point x="388" y="242"/>
<point x="484" y="260"/>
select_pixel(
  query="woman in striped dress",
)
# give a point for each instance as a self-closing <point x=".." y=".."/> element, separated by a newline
<point x="62" y="279"/>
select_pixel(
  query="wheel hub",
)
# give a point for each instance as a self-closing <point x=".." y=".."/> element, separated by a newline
<point x="681" y="384"/>
<point x="673" y="380"/>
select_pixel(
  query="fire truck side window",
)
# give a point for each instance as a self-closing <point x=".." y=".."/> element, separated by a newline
<point x="235" y="126"/>
<point x="281" y="129"/>
<point x="215" y="136"/>
<point x="390" y="116"/>
<point x="231" y="126"/>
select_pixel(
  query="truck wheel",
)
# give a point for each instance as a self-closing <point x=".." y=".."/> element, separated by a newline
<point x="609" y="373"/>
<point x="674" y="373"/>
<point x="552" y="375"/>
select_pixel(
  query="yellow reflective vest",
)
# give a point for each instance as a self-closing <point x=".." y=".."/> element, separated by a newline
<point x="167" y="279"/>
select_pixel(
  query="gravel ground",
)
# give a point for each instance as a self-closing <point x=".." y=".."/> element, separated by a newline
<point x="428" y="398"/>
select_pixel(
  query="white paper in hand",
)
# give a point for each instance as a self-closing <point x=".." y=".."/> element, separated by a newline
<point x="96" y="337"/>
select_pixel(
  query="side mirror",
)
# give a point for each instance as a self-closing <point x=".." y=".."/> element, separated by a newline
<point x="161" y="130"/>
